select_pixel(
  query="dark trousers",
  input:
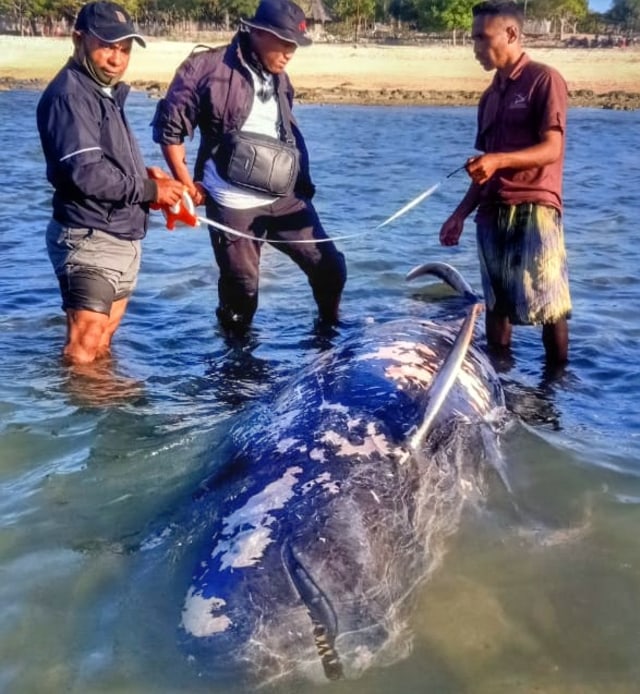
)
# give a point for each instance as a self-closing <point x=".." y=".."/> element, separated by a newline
<point x="287" y="220"/>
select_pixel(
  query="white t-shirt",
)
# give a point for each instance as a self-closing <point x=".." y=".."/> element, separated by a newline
<point x="263" y="119"/>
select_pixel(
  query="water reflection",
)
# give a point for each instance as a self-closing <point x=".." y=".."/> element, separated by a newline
<point x="533" y="404"/>
<point x="237" y="376"/>
<point x="96" y="478"/>
<point x="99" y="385"/>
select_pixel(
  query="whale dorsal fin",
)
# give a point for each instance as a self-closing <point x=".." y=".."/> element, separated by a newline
<point x="444" y="380"/>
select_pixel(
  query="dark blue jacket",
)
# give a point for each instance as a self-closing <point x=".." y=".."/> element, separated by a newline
<point x="212" y="90"/>
<point x="93" y="160"/>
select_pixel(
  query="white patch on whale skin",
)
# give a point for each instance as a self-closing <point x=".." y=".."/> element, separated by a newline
<point x="418" y="374"/>
<point x="248" y="529"/>
<point x="246" y="548"/>
<point x="198" y="615"/>
<point x="323" y="480"/>
<point x="284" y="445"/>
<point x="318" y="454"/>
<point x="410" y="362"/>
<point x="414" y="363"/>
<point x="372" y="443"/>
<point x="402" y="352"/>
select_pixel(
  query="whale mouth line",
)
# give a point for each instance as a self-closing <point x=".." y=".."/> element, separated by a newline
<point x="323" y="617"/>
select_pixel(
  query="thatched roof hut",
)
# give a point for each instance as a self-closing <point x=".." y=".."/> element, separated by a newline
<point x="316" y="12"/>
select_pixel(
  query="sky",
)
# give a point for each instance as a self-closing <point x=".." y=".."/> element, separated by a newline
<point x="599" y="5"/>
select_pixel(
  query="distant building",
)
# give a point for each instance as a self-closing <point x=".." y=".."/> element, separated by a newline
<point x="317" y="15"/>
<point x="537" y="27"/>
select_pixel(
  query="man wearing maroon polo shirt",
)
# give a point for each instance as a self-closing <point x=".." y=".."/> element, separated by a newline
<point x="516" y="187"/>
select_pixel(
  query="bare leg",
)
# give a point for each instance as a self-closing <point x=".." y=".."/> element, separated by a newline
<point x="498" y="330"/>
<point x="118" y="309"/>
<point x="89" y="333"/>
<point x="555" y="338"/>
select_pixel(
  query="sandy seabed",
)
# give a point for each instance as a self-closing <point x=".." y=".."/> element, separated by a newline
<point x="358" y="74"/>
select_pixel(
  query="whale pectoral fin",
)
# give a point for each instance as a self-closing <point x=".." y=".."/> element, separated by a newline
<point x="444" y="379"/>
<point x="448" y="274"/>
<point x="323" y="618"/>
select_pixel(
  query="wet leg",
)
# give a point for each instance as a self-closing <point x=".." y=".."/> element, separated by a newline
<point x="498" y="330"/>
<point x="85" y="331"/>
<point x="555" y="338"/>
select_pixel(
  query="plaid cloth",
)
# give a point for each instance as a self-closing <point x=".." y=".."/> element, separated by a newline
<point x="523" y="263"/>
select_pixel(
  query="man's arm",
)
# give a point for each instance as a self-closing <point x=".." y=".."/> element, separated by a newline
<point x="176" y="118"/>
<point x="176" y="158"/>
<point x="451" y="230"/>
<point x="548" y="150"/>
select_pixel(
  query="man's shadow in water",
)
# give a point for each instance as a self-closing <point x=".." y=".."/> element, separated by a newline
<point x="237" y="376"/>
<point x="535" y="405"/>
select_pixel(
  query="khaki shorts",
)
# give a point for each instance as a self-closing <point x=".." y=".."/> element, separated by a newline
<point x="93" y="268"/>
<point x="523" y="263"/>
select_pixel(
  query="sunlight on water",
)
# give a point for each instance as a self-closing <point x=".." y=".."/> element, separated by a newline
<point x="537" y="590"/>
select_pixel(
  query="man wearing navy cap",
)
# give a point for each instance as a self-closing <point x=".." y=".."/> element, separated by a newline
<point x="252" y="166"/>
<point x="101" y="188"/>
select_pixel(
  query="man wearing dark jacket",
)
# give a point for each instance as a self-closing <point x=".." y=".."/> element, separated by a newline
<point x="252" y="166"/>
<point x="101" y="188"/>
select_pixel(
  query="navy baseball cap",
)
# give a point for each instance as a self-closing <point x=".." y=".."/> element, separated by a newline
<point x="108" y="22"/>
<point x="283" y="19"/>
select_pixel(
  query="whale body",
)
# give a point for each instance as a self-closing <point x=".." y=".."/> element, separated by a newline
<point x="330" y="518"/>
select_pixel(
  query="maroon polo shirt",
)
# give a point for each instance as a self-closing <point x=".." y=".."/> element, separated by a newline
<point x="514" y="115"/>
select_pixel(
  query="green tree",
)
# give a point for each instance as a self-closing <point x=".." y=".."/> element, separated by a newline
<point x="355" y="13"/>
<point x="446" y="15"/>
<point x="626" y="13"/>
<point x="564" y="12"/>
<point x="24" y="12"/>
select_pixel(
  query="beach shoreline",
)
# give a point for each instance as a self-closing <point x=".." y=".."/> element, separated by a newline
<point x="367" y="74"/>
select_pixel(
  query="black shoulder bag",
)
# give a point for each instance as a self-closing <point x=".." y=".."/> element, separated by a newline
<point x="259" y="162"/>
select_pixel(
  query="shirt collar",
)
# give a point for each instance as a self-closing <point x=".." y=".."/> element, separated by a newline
<point x="497" y="84"/>
<point x="119" y="91"/>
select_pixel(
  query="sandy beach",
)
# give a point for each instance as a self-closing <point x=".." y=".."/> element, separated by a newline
<point x="365" y="74"/>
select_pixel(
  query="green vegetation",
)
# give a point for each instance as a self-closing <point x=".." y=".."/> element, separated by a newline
<point x="349" y="18"/>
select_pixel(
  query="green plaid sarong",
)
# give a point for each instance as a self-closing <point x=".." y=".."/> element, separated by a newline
<point x="523" y="263"/>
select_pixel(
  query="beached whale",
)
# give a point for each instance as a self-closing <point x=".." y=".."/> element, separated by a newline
<point x="340" y="495"/>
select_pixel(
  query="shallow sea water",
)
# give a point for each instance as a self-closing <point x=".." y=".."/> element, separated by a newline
<point x="539" y="588"/>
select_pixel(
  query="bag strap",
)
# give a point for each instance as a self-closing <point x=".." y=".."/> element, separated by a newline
<point x="284" y="125"/>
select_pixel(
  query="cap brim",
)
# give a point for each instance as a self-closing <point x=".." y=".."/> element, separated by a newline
<point x="300" y="40"/>
<point x="124" y="37"/>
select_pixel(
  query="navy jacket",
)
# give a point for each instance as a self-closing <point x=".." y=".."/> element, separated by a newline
<point x="93" y="160"/>
<point x="212" y="90"/>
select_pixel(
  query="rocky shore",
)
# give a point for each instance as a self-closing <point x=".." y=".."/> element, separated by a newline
<point x="579" y="98"/>
<point x="369" y="74"/>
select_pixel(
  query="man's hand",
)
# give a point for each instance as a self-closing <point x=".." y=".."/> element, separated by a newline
<point x="198" y="193"/>
<point x="482" y="168"/>
<point x="451" y="231"/>
<point x="168" y="190"/>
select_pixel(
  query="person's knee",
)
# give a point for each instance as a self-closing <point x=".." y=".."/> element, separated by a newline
<point x="84" y="345"/>
<point x="340" y="271"/>
<point x="329" y="275"/>
<point x="85" y="335"/>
